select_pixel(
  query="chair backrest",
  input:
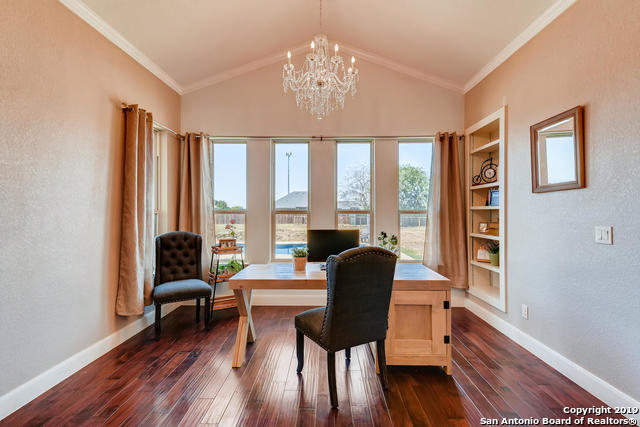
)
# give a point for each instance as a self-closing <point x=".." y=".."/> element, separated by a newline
<point x="178" y="257"/>
<point x="359" y="283"/>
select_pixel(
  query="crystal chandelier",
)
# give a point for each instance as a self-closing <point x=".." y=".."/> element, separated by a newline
<point x="323" y="82"/>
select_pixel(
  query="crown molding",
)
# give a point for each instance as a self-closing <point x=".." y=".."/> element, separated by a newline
<point x="403" y="69"/>
<point x="360" y="53"/>
<point x="242" y="69"/>
<point x="534" y="28"/>
<point x="100" y="25"/>
<point x="95" y="21"/>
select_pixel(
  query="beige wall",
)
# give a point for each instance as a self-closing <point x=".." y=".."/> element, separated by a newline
<point x="387" y="103"/>
<point x="583" y="298"/>
<point x="61" y="133"/>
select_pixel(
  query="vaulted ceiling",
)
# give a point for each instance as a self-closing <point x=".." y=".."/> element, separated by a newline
<point x="196" y="42"/>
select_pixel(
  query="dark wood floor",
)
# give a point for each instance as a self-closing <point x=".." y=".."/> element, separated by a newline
<point x="186" y="378"/>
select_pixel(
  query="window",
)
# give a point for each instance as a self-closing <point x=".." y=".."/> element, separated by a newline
<point x="230" y="188"/>
<point x="290" y="197"/>
<point x="414" y="175"/>
<point x="156" y="182"/>
<point x="354" y="187"/>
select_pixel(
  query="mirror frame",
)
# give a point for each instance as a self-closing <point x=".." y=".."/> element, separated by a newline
<point x="577" y="115"/>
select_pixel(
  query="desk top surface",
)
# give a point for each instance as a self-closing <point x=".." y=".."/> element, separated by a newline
<point x="280" y="275"/>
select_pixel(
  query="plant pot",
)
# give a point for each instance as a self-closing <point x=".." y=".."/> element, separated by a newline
<point x="228" y="242"/>
<point x="494" y="259"/>
<point x="299" y="263"/>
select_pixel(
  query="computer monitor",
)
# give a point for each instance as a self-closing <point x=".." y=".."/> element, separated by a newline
<point x="322" y="243"/>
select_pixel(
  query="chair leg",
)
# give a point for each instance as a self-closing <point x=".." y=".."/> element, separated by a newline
<point x="331" y="375"/>
<point x="207" y="312"/>
<point x="382" y="363"/>
<point x="197" y="310"/>
<point x="213" y="300"/>
<point x="347" y="353"/>
<point x="158" y="319"/>
<point x="300" y="350"/>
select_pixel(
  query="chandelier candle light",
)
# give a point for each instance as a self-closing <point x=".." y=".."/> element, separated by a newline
<point x="323" y="82"/>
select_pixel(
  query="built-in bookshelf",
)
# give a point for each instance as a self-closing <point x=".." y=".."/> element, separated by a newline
<point x="483" y="140"/>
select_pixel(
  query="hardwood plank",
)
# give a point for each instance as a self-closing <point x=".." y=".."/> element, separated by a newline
<point x="483" y="387"/>
<point x="186" y="378"/>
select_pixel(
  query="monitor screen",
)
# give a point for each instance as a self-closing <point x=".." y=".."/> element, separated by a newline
<point x="322" y="243"/>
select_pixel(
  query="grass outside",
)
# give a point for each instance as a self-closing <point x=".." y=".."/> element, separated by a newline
<point x="412" y="242"/>
<point x="411" y="238"/>
<point x="291" y="233"/>
<point x="222" y="233"/>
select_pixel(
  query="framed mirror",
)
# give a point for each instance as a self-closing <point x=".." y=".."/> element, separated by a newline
<point x="557" y="152"/>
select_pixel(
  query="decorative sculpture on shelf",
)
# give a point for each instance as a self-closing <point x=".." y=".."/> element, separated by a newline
<point x="488" y="173"/>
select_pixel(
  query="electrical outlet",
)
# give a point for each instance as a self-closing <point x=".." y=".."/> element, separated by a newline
<point x="604" y="234"/>
<point x="525" y="311"/>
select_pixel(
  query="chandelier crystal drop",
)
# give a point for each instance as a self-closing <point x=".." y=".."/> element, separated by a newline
<point x="323" y="82"/>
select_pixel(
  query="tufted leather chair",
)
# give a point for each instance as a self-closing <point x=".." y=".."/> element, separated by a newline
<point x="359" y="284"/>
<point x="178" y="275"/>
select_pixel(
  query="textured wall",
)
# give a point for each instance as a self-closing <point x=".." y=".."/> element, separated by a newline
<point x="583" y="298"/>
<point x="253" y="104"/>
<point x="61" y="133"/>
<point x="387" y="103"/>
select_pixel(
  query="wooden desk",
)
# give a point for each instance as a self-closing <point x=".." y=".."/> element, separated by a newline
<point x="419" y="315"/>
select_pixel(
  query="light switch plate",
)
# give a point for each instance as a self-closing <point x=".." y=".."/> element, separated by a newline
<point x="604" y="234"/>
<point x="525" y="311"/>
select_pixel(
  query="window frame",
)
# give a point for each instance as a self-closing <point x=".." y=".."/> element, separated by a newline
<point x="425" y="211"/>
<point x="371" y="210"/>
<point x="243" y="211"/>
<point x="274" y="211"/>
<point x="157" y="181"/>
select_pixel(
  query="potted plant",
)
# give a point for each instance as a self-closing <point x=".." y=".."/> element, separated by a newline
<point x="231" y="241"/>
<point x="494" y="253"/>
<point x="300" y="258"/>
<point x="390" y="243"/>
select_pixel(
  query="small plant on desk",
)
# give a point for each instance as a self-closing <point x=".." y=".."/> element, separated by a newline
<point x="387" y="242"/>
<point x="299" y="258"/>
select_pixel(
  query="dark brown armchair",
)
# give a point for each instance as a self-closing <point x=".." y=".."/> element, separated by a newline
<point x="178" y="275"/>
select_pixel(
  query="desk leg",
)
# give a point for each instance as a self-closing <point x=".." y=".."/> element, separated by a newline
<point x="246" y="331"/>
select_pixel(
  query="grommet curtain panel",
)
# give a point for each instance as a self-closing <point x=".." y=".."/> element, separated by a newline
<point x="195" y="202"/>
<point x="135" y="280"/>
<point x="445" y="248"/>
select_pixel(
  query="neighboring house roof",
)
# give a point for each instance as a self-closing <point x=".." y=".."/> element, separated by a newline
<point x="295" y="200"/>
<point x="346" y="204"/>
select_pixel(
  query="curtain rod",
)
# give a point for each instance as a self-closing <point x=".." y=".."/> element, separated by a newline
<point x="323" y="138"/>
<point x="158" y="125"/>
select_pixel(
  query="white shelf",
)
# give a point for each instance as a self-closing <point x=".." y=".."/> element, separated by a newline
<point x="485" y="236"/>
<point x="486" y="266"/>
<point x="485" y="208"/>
<point x="482" y="186"/>
<point x="487" y="148"/>
<point x="486" y="138"/>
<point x="489" y="294"/>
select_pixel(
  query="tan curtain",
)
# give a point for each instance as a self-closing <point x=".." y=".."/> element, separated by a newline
<point x="445" y="248"/>
<point x="195" y="202"/>
<point x="136" y="245"/>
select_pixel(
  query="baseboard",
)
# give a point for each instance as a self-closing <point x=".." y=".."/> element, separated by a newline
<point x="318" y="300"/>
<point x="576" y="373"/>
<point x="458" y="297"/>
<point x="284" y="298"/>
<point x="26" y="392"/>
